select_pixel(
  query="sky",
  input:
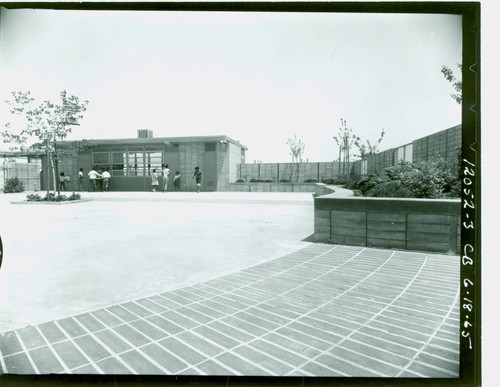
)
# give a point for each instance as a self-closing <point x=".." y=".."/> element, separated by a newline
<point x="259" y="78"/>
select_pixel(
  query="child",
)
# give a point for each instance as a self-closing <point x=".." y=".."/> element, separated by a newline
<point x="177" y="181"/>
<point x="62" y="182"/>
<point x="154" y="180"/>
<point x="197" y="174"/>
<point x="80" y="180"/>
<point x="166" y="173"/>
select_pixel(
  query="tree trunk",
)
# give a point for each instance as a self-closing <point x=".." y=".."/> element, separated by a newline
<point x="47" y="173"/>
<point x="56" y="170"/>
<point x="340" y="157"/>
<point x="56" y="174"/>
<point x="53" y="175"/>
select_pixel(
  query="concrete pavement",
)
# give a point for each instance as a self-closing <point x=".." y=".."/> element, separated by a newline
<point x="61" y="260"/>
<point x="321" y="311"/>
<point x="215" y="284"/>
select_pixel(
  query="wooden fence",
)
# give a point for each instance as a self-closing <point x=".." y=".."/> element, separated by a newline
<point x="293" y="172"/>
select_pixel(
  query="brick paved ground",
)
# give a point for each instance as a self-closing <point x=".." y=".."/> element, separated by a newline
<point x="323" y="310"/>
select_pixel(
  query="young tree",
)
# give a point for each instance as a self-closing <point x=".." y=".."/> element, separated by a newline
<point x="296" y="151"/>
<point x="345" y="139"/>
<point x="457" y="84"/>
<point x="46" y="124"/>
<point x="368" y="149"/>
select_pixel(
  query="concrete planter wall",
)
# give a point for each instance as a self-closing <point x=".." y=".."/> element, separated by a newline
<point x="409" y="224"/>
<point x="272" y="187"/>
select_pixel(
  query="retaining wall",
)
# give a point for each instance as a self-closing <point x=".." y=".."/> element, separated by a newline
<point x="409" y="224"/>
<point x="272" y="187"/>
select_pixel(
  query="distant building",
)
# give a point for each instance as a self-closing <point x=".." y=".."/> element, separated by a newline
<point x="131" y="161"/>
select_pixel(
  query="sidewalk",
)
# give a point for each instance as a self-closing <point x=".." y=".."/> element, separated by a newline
<point x="324" y="310"/>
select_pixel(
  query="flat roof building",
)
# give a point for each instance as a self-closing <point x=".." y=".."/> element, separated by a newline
<point x="131" y="161"/>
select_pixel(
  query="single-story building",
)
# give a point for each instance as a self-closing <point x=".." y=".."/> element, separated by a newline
<point x="131" y="161"/>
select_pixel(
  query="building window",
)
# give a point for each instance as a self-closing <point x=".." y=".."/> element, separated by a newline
<point x="100" y="158"/>
<point x="153" y="161"/>
<point x="118" y="165"/>
<point x="135" y="164"/>
<point x="100" y="161"/>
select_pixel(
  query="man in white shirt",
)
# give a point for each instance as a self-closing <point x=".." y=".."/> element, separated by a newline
<point x="166" y="172"/>
<point x="105" y="180"/>
<point x="93" y="175"/>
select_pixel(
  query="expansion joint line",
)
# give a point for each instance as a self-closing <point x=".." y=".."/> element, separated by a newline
<point x="431" y="337"/>
<point x="3" y="366"/>
<point x="345" y="292"/>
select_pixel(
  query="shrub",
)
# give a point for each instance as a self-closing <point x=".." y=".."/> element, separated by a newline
<point x="341" y="180"/>
<point x="13" y="185"/>
<point x="240" y="181"/>
<point x="61" y="198"/>
<point x="33" y="198"/>
<point x="392" y="189"/>
<point x="50" y="197"/>
<point x="328" y="181"/>
<point x="284" y="181"/>
<point x="268" y="180"/>
<point x="310" y="181"/>
<point x="254" y="180"/>
<point x="75" y="196"/>
<point x="428" y="179"/>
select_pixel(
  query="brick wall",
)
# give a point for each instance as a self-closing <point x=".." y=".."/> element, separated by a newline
<point x="411" y="224"/>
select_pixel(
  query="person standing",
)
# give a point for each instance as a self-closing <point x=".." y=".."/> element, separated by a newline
<point x="166" y="173"/>
<point x="177" y="181"/>
<point x="93" y="175"/>
<point x="154" y="180"/>
<point x="62" y="182"/>
<point x="80" y="180"/>
<point x="105" y="180"/>
<point x="197" y="175"/>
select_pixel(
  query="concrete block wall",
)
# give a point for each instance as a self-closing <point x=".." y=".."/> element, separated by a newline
<point x="409" y="224"/>
<point x="223" y="166"/>
<point x="272" y="187"/>
<point x="228" y="157"/>
<point x="69" y="165"/>
<point x="234" y="160"/>
<point x="190" y="155"/>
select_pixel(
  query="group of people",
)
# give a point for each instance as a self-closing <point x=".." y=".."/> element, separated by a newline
<point x="165" y="174"/>
<point x="99" y="180"/>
